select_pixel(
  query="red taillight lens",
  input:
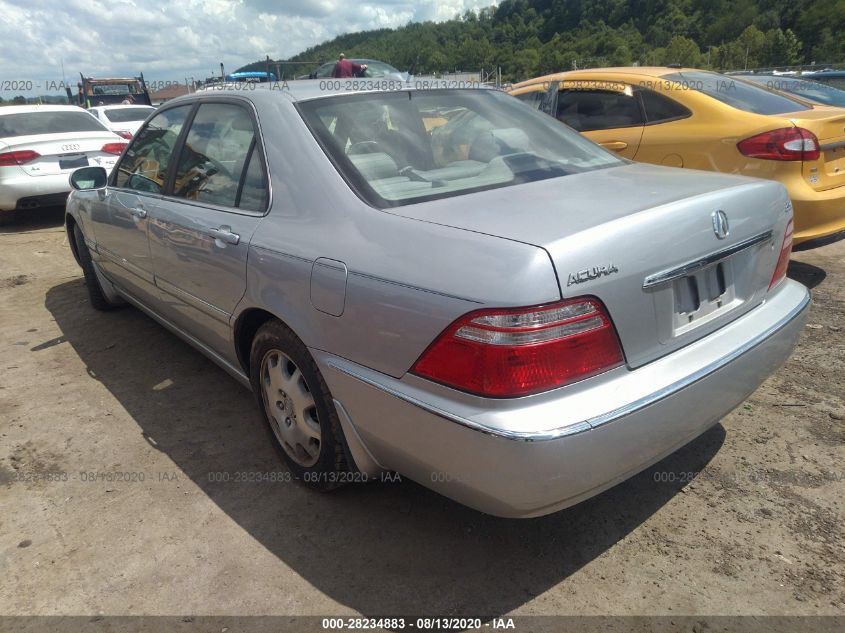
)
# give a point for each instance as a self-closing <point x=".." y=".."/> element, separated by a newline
<point x="125" y="134"/>
<point x="783" y="259"/>
<point x="113" y="148"/>
<point x="18" y="158"/>
<point x="789" y="143"/>
<point x="510" y="352"/>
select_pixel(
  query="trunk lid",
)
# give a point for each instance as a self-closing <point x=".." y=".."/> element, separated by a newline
<point x="611" y="234"/>
<point x="62" y="153"/>
<point x="828" y="124"/>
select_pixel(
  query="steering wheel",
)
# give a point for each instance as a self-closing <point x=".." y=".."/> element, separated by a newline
<point x="363" y="147"/>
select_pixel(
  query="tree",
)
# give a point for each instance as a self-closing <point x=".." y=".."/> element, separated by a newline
<point x="682" y="50"/>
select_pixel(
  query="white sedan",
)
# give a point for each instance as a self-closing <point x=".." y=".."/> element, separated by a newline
<point x="123" y="120"/>
<point x="40" y="145"/>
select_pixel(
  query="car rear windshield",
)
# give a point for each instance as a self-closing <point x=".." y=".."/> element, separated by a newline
<point x="736" y="93"/>
<point x="812" y="90"/>
<point x="122" y="115"/>
<point x="50" y="122"/>
<point x="404" y="147"/>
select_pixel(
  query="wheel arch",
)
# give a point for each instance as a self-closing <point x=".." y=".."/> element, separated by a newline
<point x="70" y="225"/>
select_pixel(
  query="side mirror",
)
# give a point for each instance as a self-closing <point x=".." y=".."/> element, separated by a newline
<point x="88" y="178"/>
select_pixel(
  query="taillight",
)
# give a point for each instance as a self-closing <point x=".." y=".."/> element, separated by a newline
<point x="18" y="158"/>
<point x="125" y="134"/>
<point x="510" y="352"/>
<point x="783" y="259"/>
<point x="113" y="148"/>
<point x="789" y="143"/>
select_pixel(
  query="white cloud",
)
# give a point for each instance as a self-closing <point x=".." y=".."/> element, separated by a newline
<point x="185" y="39"/>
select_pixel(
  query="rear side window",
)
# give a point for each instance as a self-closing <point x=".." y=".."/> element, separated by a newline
<point x="659" y="108"/>
<point x="219" y="163"/>
<point x="51" y="122"/>
<point x="586" y="110"/>
<point x="144" y="165"/>
<point x="736" y="93"/>
<point x="122" y="115"/>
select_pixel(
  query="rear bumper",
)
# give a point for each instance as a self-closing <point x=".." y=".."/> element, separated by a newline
<point x="819" y="216"/>
<point x="532" y="456"/>
<point x="23" y="187"/>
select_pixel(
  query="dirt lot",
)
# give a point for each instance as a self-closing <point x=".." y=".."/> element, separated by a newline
<point x="745" y="520"/>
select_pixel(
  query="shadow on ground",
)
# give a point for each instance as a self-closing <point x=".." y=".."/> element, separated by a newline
<point x="377" y="548"/>
<point x="34" y="219"/>
<point x="809" y="275"/>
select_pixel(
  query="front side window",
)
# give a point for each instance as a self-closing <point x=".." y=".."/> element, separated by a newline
<point x="219" y="160"/>
<point x="400" y="148"/>
<point x="585" y="109"/>
<point x="144" y="165"/>
<point x="736" y="93"/>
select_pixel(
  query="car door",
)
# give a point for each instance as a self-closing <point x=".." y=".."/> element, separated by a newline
<point x="120" y="217"/>
<point x="606" y="112"/>
<point x="199" y="239"/>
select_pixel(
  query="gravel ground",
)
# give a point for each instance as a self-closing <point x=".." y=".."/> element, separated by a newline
<point x="747" y="519"/>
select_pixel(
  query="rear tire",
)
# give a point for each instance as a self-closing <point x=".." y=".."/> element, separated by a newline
<point x="297" y="407"/>
<point x="8" y="217"/>
<point x="98" y="299"/>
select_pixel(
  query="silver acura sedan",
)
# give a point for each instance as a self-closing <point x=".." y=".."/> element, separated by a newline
<point x="444" y="284"/>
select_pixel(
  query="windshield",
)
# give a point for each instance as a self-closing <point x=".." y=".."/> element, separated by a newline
<point x="123" y="115"/>
<point x="50" y="122"/>
<point x="812" y="90"/>
<point x="736" y="93"/>
<point x="404" y="147"/>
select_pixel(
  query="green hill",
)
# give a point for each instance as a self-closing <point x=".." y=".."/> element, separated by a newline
<point x="531" y="38"/>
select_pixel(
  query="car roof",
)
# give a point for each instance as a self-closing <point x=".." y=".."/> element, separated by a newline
<point x="39" y="108"/>
<point x="120" y="106"/>
<point x="308" y="89"/>
<point x="824" y="73"/>
<point x="642" y="71"/>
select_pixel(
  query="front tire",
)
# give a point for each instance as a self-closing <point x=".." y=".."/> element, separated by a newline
<point x="297" y="406"/>
<point x="96" y="296"/>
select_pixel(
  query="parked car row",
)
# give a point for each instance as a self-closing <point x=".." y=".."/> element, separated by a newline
<point x="41" y="145"/>
<point x="453" y="286"/>
<point x="704" y="120"/>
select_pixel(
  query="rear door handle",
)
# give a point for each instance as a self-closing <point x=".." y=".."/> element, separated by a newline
<point x="224" y="233"/>
<point x="616" y="146"/>
<point x="138" y="212"/>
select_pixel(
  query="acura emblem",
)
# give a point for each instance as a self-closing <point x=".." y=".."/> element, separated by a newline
<point x="720" y="224"/>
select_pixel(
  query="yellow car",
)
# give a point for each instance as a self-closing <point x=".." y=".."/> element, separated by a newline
<point x="685" y="117"/>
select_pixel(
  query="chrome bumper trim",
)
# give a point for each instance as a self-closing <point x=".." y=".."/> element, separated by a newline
<point x="597" y="421"/>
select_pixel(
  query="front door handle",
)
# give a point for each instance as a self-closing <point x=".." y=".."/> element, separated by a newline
<point x="224" y="233"/>
<point x="616" y="146"/>
<point x="139" y="212"/>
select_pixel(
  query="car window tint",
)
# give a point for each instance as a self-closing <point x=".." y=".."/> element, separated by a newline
<point x="659" y="108"/>
<point x="215" y="154"/>
<point x="812" y="90"/>
<point x="400" y="148"/>
<point x="146" y="161"/>
<point x="253" y="195"/>
<point x="586" y="110"/>
<point x="122" y="115"/>
<point x="735" y="92"/>
<point x="50" y="122"/>
<point x="533" y="98"/>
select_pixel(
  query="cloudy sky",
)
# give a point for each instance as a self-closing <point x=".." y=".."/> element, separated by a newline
<point x="185" y="38"/>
